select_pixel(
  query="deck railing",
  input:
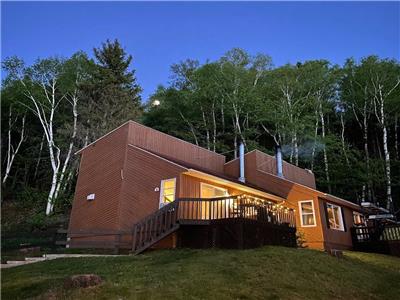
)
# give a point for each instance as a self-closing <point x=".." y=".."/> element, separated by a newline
<point x="197" y="211"/>
<point x="374" y="234"/>
<point x="234" y="207"/>
<point x="155" y="226"/>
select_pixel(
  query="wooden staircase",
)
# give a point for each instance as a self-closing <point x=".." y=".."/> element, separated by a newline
<point x="155" y="227"/>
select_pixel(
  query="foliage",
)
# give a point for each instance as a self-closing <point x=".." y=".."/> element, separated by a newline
<point x="328" y="118"/>
<point x="313" y="109"/>
<point x="264" y="273"/>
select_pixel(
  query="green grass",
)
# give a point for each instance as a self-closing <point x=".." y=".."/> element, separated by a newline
<point x="264" y="273"/>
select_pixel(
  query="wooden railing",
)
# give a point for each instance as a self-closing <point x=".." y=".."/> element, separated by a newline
<point x="167" y="219"/>
<point x="383" y="238"/>
<point x="155" y="227"/>
<point x="379" y="233"/>
<point x="245" y="207"/>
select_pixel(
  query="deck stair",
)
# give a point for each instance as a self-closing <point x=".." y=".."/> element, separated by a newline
<point x="155" y="227"/>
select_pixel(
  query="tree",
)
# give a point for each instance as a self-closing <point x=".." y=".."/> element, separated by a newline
<point x="50" y="88"/>
<point x="111" y="96"/>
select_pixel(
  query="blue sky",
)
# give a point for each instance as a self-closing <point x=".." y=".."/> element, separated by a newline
<point x="160" y="34"/>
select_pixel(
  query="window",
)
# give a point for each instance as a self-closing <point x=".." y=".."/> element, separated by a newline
<point x="167" y="194"/>
<point x="307" y="215"/>
<point x="335" y="218"/>
<point x="358" y="219"/>
<point x="210" y="191"/>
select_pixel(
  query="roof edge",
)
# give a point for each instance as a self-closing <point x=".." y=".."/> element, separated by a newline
<point x="131" y="121"/>
<point x="100" y="138"/>
<point x="159" y="157"/>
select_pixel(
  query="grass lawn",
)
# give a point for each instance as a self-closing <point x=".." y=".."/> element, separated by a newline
<point x="264" y="273"/>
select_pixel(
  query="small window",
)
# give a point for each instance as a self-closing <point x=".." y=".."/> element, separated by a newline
<point x="335" y="217"/>
<point x="210" y="191"/>
<point x="167" y="194"/>
<point x="358" y="219"/>
<point x="307" y="215"/>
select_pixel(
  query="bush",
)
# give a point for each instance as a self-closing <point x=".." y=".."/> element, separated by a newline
<point x="32" y="199"/>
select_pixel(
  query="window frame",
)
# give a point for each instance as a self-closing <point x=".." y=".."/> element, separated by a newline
<point x="213" y="186"/>
<point x="301" y="213"/>
<point x="161" y="200"/>
<point x="341" y="221"/>
<point x="361" y="216"/>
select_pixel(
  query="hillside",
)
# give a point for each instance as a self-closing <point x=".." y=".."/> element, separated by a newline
<point x="264" y="273"/>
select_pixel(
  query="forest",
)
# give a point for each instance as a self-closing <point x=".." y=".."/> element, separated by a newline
<point x="339" y="121"/>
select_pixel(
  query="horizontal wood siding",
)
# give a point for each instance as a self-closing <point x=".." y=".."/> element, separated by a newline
<point x="190" y="187"/>
<point x="99" y="174"/>
<point x="143" y="173"/>
<point x="260" y="161"/>
<point x="267" y="163"/>
<point x="175" y="148"/>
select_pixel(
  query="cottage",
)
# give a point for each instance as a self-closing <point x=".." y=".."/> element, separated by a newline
<point x="139" y="188"/>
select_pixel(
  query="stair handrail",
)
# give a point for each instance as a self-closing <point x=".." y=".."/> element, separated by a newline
<point x="173" y="206"/>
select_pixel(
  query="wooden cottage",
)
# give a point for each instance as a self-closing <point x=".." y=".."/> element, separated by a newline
<point x="139" y="188"/>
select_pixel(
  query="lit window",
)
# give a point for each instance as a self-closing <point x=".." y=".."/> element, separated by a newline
<point x="210" y="191"/>
<point x="335" y="218"/>
<point x="167" y="194"/>
<point x="358" y="218"/>
<point x="307" y="215"/>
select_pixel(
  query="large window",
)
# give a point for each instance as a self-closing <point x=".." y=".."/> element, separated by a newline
<point x="307" y="214"/>
<point x="335" y="218"/>
<point x="167" y="193"/>
<point x="210" y="191"/>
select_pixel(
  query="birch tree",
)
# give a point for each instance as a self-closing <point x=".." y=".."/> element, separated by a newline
<point x="49" y="95"/>
<point x="385" y="81"/>
<point x="15" y="123"/>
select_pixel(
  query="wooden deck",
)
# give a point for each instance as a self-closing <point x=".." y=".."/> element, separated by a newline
<point x="224" y="211"/>
<point x="383" y="239"/>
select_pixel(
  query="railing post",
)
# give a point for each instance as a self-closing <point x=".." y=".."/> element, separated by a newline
<point x="134" y="236"/>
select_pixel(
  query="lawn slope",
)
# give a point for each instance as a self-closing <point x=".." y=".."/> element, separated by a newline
<point x="264" y="273"/>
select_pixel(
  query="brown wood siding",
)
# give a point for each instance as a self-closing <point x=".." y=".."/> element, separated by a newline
<point x="166" y="145"/>
<point x="267" y="163"/>
<point x="190" y="187"/>
<point x="100" y="174"/>
<point x="143" y="173"/>
<point x="336" y="239"/>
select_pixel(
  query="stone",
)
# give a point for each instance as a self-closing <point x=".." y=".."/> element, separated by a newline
<point x="336" y="253"/>
<point x="30" y="250"/>
<point x="82" y="281"/>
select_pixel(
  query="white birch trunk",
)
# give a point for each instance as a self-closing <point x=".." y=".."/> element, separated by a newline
<point x="11" y="151"/>
<point x="214" y="127"/>
<point x="206" y="127"/>
<point x="74" y="103"/>
<point x="326" y="164"/>
<point x="315" y="141"/>
<point x="343" y="140"/>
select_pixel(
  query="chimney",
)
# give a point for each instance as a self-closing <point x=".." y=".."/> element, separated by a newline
<point x="241" y="162"/>
<point x="279" y="162"/>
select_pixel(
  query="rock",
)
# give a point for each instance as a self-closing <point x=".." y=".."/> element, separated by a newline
<point x="336" y="253"/>
<point x="30" y="250"/>
<point x="82" y="281"/>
